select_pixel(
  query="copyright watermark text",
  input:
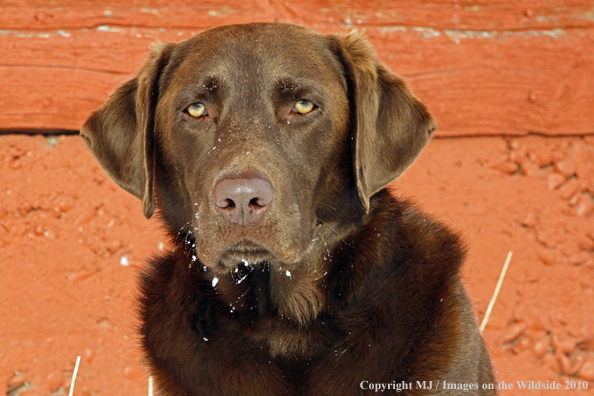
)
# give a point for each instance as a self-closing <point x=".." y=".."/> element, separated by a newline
<point x="399" y="386"/>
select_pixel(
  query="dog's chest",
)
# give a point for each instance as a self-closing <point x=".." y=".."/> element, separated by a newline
<point x="251" y="315"/>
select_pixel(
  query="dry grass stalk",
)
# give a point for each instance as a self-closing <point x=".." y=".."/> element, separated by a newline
<point x="496" y="293"/>
<point x="74" y="376"/>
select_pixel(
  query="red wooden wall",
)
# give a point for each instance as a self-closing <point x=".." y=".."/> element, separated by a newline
<point x="485" y="67"/>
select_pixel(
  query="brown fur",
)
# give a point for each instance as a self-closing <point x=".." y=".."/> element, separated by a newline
<point x="340" y="282"/>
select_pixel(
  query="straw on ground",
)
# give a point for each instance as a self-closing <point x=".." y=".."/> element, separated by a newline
<point x="496" y="293"/>
<point x="74" y="376"/>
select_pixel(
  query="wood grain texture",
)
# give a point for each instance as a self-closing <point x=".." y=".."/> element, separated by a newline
<point x="486" y="68"/>
<point x="73" y="14"/>
<point x="439" y="14"/>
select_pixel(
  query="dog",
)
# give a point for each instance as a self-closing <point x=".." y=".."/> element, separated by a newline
<point x="267" y="149"/>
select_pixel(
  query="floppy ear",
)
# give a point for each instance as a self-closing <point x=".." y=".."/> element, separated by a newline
<point x="390" y="126"/>
<point x="120" y="133"/>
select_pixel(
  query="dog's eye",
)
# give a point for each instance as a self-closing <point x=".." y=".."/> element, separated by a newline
<point x="197" y="110"/>
<point x="303" y="107"/>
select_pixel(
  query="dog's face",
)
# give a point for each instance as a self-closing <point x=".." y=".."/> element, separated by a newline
<point x="259" y="139"/>
<point x="243" y="108"/>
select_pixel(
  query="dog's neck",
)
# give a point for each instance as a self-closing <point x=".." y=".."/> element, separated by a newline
<point x="285" y="302"/>
<point x="290" y="292"/>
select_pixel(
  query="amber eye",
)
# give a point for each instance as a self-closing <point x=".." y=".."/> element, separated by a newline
<point x="303" y="107"/>
<point x="196" y="110"/>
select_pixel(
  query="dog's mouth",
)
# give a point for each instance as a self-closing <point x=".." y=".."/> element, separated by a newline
<point x="245" y="253"/>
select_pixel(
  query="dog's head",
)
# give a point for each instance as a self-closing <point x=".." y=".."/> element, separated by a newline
<point x="257" y="139"/>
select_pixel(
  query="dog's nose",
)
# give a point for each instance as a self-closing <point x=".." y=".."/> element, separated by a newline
<point x="242" y="201"/>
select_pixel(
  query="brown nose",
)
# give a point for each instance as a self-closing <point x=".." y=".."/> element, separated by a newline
<point x="242" y="201"/>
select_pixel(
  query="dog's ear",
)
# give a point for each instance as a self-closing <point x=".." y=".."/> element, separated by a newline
<point x="389" y="125"/>
<point x="120" y="133"/>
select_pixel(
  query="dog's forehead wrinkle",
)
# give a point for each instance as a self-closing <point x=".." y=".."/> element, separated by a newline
<point x="251" y="66"/>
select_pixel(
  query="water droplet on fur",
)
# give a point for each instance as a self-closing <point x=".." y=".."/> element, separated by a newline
<point x="288" y="274"/>
<point x="215" y="280"/>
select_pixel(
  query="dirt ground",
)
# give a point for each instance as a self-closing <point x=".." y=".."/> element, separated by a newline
<point x="72" y="244"/>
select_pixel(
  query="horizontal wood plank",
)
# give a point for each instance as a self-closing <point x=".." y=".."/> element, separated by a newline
<point x="440" y="14"/>
<point x="474" y="84"/>
<point x="51" y="98"/>
<point x="73" y="14"/>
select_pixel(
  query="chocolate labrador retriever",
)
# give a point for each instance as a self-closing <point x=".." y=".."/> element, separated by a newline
<point x="267" y="149"/>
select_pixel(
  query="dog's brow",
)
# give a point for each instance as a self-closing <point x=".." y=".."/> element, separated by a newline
<point x="288" y="85"/>
<point x="198" y="89"/>
<point x="284" y="85"/>
<point x="211" y="83"/>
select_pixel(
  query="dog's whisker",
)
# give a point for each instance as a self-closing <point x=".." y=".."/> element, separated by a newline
<point x="184" y="230"/>
<point x="185" y="237"/>
<point x="325" y="204"/>
<point x="332" y="228"/>
<point x="311" y="231"/>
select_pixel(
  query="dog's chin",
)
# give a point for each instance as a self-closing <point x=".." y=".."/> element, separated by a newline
<point x="242" y="253"/>
<point x="250" y="254"/>
<point x="247" y="254"/>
